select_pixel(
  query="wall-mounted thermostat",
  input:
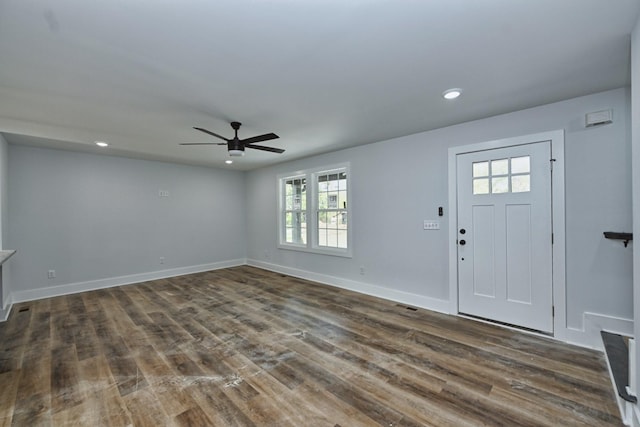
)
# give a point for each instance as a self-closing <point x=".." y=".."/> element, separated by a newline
<point x="598" y="118"/>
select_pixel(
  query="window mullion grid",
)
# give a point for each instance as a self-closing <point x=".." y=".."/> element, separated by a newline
<point x="332" y="211"/>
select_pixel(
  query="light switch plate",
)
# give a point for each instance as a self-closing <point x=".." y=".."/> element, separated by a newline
<point x="431" y="225"/>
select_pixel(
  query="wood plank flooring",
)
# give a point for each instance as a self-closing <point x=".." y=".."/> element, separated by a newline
<point x="248" y="347"/>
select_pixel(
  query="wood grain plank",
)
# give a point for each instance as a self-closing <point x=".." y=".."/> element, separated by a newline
<point x="33" y="400"/>
<point x="13" y="338"/>
<point x="145" y="409"/>
<point x="65" y="379"/>
<point x="193" y="417"/>
<point x="8" y="392"/>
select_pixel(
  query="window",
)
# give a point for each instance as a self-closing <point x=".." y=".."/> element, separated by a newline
<point x="314" y="214"/>
<point x="332" y="210"/>
<point x="502" y="176"/>
<point x="295" y="212"/>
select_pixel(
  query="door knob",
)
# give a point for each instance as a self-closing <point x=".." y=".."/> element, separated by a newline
<point x="463" y="242"/>
<point x="462" y="231"/>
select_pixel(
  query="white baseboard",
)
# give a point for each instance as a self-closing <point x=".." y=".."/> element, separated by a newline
<point x="72" y="288"/>
<point x="588" y="337"/>
<point x="635" y="419"/>
<point x="408" y="298"/>
<point x="6" y="310"/>
<point x="593" y="323"/>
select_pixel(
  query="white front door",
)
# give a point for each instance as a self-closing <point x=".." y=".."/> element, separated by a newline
<point x="504" y="235"/>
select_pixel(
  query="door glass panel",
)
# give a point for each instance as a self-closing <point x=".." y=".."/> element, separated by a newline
<point x="494" y="176"/>
<point x="500" y="167"/>
<point x="520" y="165"/>
<point x="480" y="169"/>
<point x="500" y="185"/>
<point x="520" y="183"/>
<point x="481" y="186"/>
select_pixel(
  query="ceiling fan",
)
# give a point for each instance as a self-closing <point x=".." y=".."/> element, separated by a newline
<point x="236" y="145"/>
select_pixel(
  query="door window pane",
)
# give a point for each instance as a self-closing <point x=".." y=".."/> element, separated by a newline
<point x="480" y="169"/>
<point x="520" y="165"/>
<point x="500" y="185"/>
<point x="520" y="183"/>
<point x="500" y="167"/>
<point x="481" y="186"/>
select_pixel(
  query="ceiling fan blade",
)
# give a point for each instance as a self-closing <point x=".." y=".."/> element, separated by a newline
<point x="210" y="133"/>
<point x="203" y="143"/>
<point x="260" y="138"/>
<point x="263" y="148"/>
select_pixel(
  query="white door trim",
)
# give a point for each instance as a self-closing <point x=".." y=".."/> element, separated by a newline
<point x="558" y="218"/>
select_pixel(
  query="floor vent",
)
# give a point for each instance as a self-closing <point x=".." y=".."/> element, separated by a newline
<point x="23" y="309"/>
<point x="407" y="307"/>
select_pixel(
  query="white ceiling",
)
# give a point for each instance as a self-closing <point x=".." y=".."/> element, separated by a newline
<point x="322" y="74"/>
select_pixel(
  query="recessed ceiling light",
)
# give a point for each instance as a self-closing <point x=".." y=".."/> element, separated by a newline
<point x="102" y="144"/>
<point x="228" y="162"/>
<point x="452" y="93"/>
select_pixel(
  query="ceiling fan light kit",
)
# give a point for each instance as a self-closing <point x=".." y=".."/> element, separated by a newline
<point x="236" y="146"/>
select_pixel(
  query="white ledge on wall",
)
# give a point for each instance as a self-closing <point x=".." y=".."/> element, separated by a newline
<point x="593" y="323"/>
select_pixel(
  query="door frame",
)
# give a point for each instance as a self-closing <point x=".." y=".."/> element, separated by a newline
<point x="557" y="218"/>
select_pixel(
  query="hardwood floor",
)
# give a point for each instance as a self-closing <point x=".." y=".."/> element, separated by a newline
<point x="248" y="347"/>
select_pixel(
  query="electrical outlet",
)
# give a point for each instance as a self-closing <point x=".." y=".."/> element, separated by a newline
<point x="267" y="254"/>
<point x="161" y="260"/>
<point x="163" y="193"/>
<point x="51" y="274"/>
<point x="362" y="270"/>
<point x="431" y="225"/>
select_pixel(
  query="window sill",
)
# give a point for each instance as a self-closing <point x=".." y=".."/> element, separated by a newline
<point x="344" y="253"/>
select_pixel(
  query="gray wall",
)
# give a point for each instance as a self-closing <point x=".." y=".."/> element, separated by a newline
<point x="397" y="184"/>
<point x="91" y="217"/>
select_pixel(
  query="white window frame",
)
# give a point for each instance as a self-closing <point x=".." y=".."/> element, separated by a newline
<point x="282" y="229"/>
<point x="311" y="176"/>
